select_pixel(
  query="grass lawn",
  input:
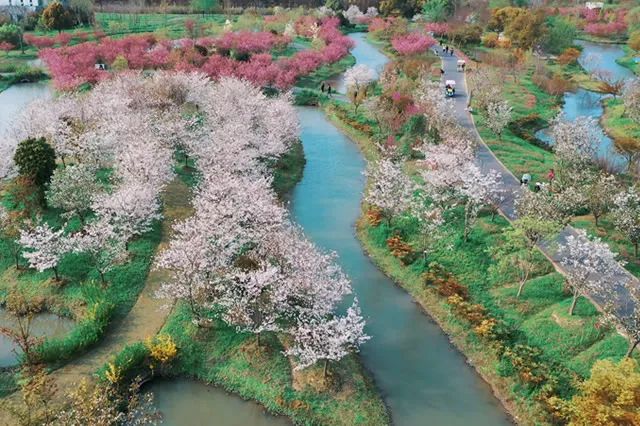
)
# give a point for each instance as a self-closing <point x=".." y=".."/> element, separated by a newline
<point x="628" y="60"/>
<point x="234" y="361"/>
<point x="615" y="123"/>
<point x="569" y="344"/>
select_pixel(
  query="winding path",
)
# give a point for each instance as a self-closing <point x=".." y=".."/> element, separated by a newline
<point x="145" y="318"/>
<point x="511" y="185"/>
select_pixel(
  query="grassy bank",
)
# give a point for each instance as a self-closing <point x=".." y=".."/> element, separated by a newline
<point x="534" y="349"/>
<point x="233" y="361"/>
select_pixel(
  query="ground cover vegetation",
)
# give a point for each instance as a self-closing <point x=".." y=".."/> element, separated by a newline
<point x="431" y="226"/>
<point x="89" y="195"/>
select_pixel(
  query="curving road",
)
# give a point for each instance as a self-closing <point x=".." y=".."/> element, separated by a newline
<point x="511" y="186"/>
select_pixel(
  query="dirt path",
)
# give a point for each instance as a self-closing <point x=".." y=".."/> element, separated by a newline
<point x="146" y="317"/>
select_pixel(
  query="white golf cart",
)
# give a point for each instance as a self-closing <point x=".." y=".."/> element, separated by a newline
<point x="460" y="65"/>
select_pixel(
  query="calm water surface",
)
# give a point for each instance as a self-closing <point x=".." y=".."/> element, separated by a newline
<point x="16" y="97"/>
<point x="596" y="58"/>
<point x="42" y="325"/>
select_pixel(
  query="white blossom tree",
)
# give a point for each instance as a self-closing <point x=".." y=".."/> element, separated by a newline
<point x="130" y="210"/>
<point x="72" y="189"/>
<point x="390" y="189"/>
<point x="328" y="339"/>
<point x="353" y="14"/>
<point x="626" y="214"/>
<point x="631" y="98"/>
<point x="357" y="80"/>
<point x="588" y="264"/>
<point x="599" y="194"/>
<point x="44" y="248"/>
<point x="104" y="246"/>
<point x="499" y="115"/>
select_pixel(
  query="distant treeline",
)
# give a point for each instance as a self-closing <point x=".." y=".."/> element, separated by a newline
<point x="183" y="6"/>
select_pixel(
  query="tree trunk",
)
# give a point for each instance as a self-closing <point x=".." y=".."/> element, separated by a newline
<point x="104" y="282"/>
<point x="325" y="368"/>
<point x="632" y="346"/>
<point x="258" y="339"/>
<point x="55" y="273"/>
<point x="595" y="218"/>
<point x="635" y="249"/>
<point x="573" y="302"/>
<point x="520" y="288"/>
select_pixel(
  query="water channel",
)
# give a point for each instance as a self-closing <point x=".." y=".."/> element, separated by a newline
<point x="598" y="59"/>
<point x="422" y="377"/>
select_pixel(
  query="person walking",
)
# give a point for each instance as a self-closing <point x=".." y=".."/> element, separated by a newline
<point x="451" y="52"/>
<point x="329" y="90"/>
<point x="322" y="87"/>
<point x="441" y="71"/>
<point x="551" y="176"/>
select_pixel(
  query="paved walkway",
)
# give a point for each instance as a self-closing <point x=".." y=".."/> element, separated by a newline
<point x="511" y="185"/>
<point x="145" y="319"/>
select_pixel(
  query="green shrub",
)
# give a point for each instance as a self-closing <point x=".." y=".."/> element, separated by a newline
<point x="87" y="333"/>
<point x="36" y="160"/>
<point x="130" y="362"/>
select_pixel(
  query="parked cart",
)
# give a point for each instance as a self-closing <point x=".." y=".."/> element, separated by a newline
<point x="461" y="65"/>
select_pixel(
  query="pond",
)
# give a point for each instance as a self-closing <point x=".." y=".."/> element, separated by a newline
<point x="189" y="402"/>
<point x="600" y="59"/>
<point x="16" y="97"/>
<point x="43" y="325"/>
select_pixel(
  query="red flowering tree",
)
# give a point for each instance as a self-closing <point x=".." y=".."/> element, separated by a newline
<point x="412" y="44"/>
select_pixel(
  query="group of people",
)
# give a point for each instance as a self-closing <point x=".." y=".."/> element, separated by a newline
<point x="526" y="178"/>
<point x="327" y="87"/>
<point x="446" y="49"/>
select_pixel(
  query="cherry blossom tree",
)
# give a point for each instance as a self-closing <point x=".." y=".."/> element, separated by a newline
<point x="254" y="299"/>
<point x="390" y="188"/>
<point x="588" y="264"/>
<point x="44" y="248"/>
<point x="328" y="339"/>
<point x="104" y="246"/>
<point x="353" y="14"/>
<point x="498" y="116"/>
<point x="621" y="306"/>
<point x="72" y="189"/>
<point x="626" y="214"/>
<point x="130" y="210"/>
<point x="357" y="79"/>
<point x="599" y="194"/>
<point x="631" y="99"/>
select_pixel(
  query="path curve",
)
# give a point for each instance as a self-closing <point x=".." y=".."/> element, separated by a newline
<point x="145" y="318"/>
<point x="487" y="160"/>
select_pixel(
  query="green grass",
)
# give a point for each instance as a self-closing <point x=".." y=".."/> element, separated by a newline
<point x="616" y="124"/>
<point x="127" y="23"/>
<point x="233" y="360"/>
<point x="628" y="60"/>
<point x="288" y="169"/>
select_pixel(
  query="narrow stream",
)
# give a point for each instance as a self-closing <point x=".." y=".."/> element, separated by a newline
<point x="422" y="377"/>
<point x="598" y="58"/>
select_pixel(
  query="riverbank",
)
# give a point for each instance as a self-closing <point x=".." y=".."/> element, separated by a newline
<point x="220" y="356"/>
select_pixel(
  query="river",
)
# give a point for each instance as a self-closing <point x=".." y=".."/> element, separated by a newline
<point x="422" y="377"/>
<point x="598" y="59"/>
